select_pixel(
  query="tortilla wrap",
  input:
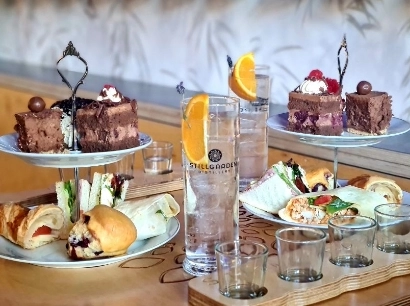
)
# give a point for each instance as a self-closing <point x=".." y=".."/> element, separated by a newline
<point x="298" y="209"/>
<point x="272" y="191"/>
<point x="150" y="215"/>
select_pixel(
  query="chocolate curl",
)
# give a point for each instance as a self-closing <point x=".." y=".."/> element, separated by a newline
<point x="230" y="64"/>
<point x="180" y="88"/>
<point x="342" y="72"/>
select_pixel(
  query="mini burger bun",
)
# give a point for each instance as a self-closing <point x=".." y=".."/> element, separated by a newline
<point x="114" y="230"/>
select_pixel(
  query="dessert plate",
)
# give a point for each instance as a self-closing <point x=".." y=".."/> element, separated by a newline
<point x="8" y="144"/>
<point x="275" y="218"/>
<point x="54" y="255"/>
<point x="280" y="122"/>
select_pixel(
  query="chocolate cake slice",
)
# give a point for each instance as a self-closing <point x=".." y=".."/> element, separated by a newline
<point x="40" y="132"/>
<point x="108" y="124"/>
<point x="368" y="112"/>
<point x="316" y="106"/>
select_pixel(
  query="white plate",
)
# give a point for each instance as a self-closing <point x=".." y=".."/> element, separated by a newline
<point x="280" y="122"/>
<point x="275" y="218"/>
<point x="8" y="144"/>
<point x="54" y="255"/>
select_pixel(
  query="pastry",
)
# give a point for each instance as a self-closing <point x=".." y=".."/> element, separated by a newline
<point x="385" y="187"/>
<point x="319" y="179"/>
<point x="315" y="106"/>
<point x="319" y="207"/>
<point x="108" y="124"/>
<point x="368" y="112"/>
<point x="101" y="232"/>
<point x="30" y="228"/>
<point x="39" y="129"/>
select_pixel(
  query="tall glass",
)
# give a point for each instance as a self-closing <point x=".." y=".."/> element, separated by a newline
<point x="211" y="190"/>
<point x="253" y="146"/>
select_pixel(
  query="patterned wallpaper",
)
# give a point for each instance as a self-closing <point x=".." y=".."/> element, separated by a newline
<point x="166" y="41"/>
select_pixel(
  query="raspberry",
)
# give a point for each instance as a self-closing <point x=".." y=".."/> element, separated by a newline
<point x="315" y="74"/>
<point x="332" y="86"/>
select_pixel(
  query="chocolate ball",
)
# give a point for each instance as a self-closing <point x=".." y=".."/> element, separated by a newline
<point x="364" y="88"/>
<point x="36" y="104"/>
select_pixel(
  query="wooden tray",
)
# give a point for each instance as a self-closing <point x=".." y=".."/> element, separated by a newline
<point x="142" y="185"/>
<point x="335" y="281"/>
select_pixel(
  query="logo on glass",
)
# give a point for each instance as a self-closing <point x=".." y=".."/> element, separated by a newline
<point x="215" y="155"/>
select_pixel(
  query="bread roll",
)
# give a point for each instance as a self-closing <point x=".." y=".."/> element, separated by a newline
<point x="101" y="232"/>
<point x="30" y="228"/>
<point x="384" y="186"/>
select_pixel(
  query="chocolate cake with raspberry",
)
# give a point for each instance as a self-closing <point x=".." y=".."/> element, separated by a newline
<point x="368" y="112"/>
<point x="39" y="129"/>
<point x="316" y="106"/>
<point x="110" y="123"/>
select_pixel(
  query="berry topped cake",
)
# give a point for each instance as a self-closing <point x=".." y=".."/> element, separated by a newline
<point x="108" y="124"/>
<point x="316" y="106"/>
<point x="368" y="112"/>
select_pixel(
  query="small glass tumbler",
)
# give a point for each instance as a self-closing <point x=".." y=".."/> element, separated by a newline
<point x="253" y="139"/>
<point x="158" y="157"/>
<point x="300" y="253"/>
<point x="393" y="228"/>
<point x="351" y="240"/>
<point x="241" y="269"/>
<point x="124" y="166"/>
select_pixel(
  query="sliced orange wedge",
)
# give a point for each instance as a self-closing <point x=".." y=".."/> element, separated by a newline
<point x="195" y="129"/>
<point x="242" y="81"/>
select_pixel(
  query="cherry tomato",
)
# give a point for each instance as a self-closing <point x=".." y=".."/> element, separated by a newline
<point x="42" y="230"/>
<point x="323" y="200"/>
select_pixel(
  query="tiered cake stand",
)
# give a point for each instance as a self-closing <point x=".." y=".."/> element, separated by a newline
<point x="279" y="123"/>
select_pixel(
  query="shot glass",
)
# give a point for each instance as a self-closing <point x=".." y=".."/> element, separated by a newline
<point x="124" y="167"/>
<point x="241" y="268"/>
<point x="393" y="228"/>
<point x="158" y="157"/>
<point x="351" y="240"/>
<point x="253" y="139"/>
<point x="300" y="253"/>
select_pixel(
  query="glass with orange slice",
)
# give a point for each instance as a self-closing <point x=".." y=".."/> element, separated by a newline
<point x="210" y="138"/>
<point x="251" y="84"/>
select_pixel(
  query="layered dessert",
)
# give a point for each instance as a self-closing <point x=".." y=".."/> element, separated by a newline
<point x="110" y="123"/>
<point x="66" y="118"/>
<point x="368" y="112"/>
<point x="39" y="130"/>
<point x="316" y="106"/>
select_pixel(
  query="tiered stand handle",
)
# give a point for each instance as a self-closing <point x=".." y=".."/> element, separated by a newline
<point x="71" y="51"/>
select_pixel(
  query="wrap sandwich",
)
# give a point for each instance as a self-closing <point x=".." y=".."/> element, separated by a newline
<point x="278" y="185"/>
<point x="150" y="215"/>
<point x="319" y="207"/>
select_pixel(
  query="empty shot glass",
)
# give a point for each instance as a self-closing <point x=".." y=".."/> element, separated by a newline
<point x="393" y="228"/>
<point x="241" y="268"/>
<point x="351" y="240"/>
<point x="124" y="167"/>
<point x="300" y="253"/>
<point x="158" y="157"/>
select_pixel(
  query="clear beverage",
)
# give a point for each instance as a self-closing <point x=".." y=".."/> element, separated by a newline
<point x="211" y="191"/>
<point x="253" y="145"/>
<point x="157" y="165"/>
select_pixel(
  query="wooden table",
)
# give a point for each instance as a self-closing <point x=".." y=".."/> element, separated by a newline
<point x="154" y="278"/>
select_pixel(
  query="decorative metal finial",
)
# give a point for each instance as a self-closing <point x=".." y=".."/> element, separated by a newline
<point x="71" y="51"/>
<point x="343" y="45"/>
<point x="180" y="88"/>
<point x="230" y="64"/>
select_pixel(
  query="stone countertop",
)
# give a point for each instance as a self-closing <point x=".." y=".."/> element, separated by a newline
<point x="162" y="104"/>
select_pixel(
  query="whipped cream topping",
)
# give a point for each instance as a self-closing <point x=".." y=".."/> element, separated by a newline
<point x="313" y="86"/>
<point x="110" y="93"/>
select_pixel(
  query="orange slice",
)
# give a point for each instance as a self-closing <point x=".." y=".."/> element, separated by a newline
<point x="242" y="81"/>
<point x="195" y="129"/>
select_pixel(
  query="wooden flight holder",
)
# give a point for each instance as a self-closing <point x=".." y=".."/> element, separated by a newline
<point x="336" y="280"/>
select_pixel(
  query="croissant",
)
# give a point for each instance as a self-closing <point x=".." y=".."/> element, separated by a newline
<point x="30" y="228"/>
<point x="384" y="186"/>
